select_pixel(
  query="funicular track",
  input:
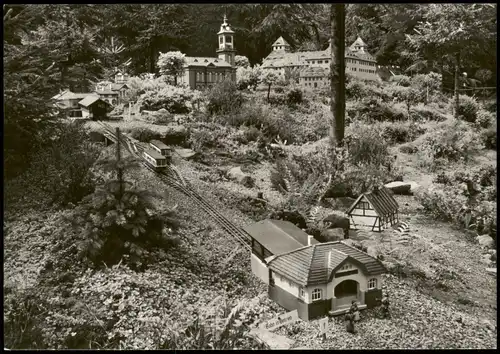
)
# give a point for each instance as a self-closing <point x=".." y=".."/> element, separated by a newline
<point x="173" y="178"/>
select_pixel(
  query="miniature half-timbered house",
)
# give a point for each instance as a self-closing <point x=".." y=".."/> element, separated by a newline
<point x="324" y="278"/>
<point x="375" y="211"/>
<point x="273" y="237"/>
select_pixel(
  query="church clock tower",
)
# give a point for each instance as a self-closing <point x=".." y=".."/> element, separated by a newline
<point x="226" y="49"/>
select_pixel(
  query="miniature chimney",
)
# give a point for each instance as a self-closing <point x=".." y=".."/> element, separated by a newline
<point x="309" y="240"/>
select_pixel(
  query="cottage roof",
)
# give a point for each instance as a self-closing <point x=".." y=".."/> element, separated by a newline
<point x="68" y="95"/>
<point x="89" y="100"/>
<point x="116" y="87"/>
<point x="381" y="199"/>
<point x="316" y="264"/>
<point x="205" y="61"/>
<point x="359" y="42"/>
<point x="278" y="236"/>
<point x="281" y="41"/>
<point x="106" y="92"/>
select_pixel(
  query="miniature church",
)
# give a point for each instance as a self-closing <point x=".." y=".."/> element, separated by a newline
<point x="204" y="72"/>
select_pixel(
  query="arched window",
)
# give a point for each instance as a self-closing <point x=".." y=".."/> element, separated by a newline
<point x="316" y="295"/>
<point x="113" y="102"/>
<point x="372" y="283"/>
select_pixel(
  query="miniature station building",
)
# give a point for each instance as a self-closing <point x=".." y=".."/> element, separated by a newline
<point x="314" y="278"/>
<point x="376" y="210"/>
<point x="204" y="72"/>
<point x="359" y="62"/>
<point x="110" y="92"/>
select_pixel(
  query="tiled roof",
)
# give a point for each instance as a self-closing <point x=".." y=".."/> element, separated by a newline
<point x="359" y="42"/>
<point x="278" y="236"/>
<point x="314" y="72"/>
<point x="317" y="263"/>
<point x="159" y="144"/>
<point x="281" y="59"/>
<point x="280" y="41"/>
<point x="205" y="61"/>
<point x="87" y="101"/>
<point x="68" y="95"/>
<point x="107" y="92"/>
<point x="381" y="199"/>
<point x="116" y="87"/>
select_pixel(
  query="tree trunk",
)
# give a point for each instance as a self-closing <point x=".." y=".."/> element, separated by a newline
<point x="119" y="169"/>
<point x="268" y="92"/>
<point x="151" y="56"/>
<point x="337" y="73"/>
<point x="457" y="73"/>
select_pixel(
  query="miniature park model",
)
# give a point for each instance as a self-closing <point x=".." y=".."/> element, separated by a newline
<point x="319" y="279"/>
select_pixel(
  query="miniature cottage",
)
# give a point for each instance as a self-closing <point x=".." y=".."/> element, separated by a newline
<point x="273" y="237"/>
<point x="324" y="278"/>
<point x="376" y="210"/>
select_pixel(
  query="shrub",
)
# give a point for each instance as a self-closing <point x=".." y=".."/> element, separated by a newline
<point x="376" y="110"/>
<point x="224" y="98"/>
<point x="60" y="173"/>
<point x="294" y="97"/>
<point x="468" y="108"/>
<point x="248" y="77"/>
<point x="121" y="219"/>
<point x="144" y="135"/>
<point x="408" y="149"/>
<point x="401" y="132"/>
<point x="401" y="80"/>
<point x="452" y="141"/>
<point x="172" y="98"/>
<point x="366" y="145"/>
<point x="161" y="117"/>
<point x="426" y="113"/>
<point x="489" y="138"/>
<point x="207" y="135"/>
<point x="485" y="119"/>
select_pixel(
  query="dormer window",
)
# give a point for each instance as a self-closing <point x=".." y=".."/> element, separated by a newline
<point x="221" y="40"/>
<point x="228" y="39"/>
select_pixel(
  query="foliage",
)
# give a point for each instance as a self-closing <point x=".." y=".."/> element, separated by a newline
<point x="372" y="109"/>
<point x="294" y="97"/>
<point x="468" y="108"/>
<point x="144" y="135"/>
<point x="366" y="145"/>
<point x="401" y="80"/>
<point x="224" y="98"/>
<point x="207" y="135"/>
<point x="172" y="98"/>
<point x="421" y="113"/>
<point x="248" y="77"/>
<point x="59" y="174"/>
<point x="452" y="141"/>
<point x="407" y="95"/>
<point x="241" y="61"/>
<point x="171" y="64"/>
<point x="118" y="219"/>
<point x="401" y="132"/>
<point x="485" y="119"/>
<point x="489" y="137"/>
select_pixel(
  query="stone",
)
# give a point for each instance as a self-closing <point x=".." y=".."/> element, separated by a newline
<point x="400" y="188"/>
<point x="485" y="241"/>
<point x="241" y="177"/>
<point x="492" y="271"/>
<point x="486" y="259"/>
<point x="273" y="340"/>
<point x="186" y="153"/>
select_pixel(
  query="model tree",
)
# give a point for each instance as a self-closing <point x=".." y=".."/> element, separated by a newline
<point x="171" y="63"/>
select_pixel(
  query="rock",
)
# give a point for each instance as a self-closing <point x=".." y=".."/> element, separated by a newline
<point x="274" y="341"/>
<point x="176" y="135"/>
<point x="486" y="259"/>
<point x="237" y="174"/>
<point x="485" y="241"/>
<point x="372" y="251"/>
<point x="492" y="271"/>
<point x="400" y="188"/>
<point x="186" y="153"/>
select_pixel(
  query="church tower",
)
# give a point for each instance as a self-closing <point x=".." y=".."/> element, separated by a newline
<point x="226" y="49"/>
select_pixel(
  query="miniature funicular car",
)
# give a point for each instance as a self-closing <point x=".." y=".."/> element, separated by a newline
<point x="161" y="148"/>
<point x="155" y="159"/>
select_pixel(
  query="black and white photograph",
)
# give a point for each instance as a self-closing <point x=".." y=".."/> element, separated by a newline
<point x="196" y="176"/>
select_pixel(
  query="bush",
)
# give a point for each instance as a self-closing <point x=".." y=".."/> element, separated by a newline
<point x="401" y="132"/>
<point x="224" y="98"/>
<point x="489" y="138"/>
<point x="371" y="109"/>
<point x="294" y="97"/>
<point x="408" y="149"/>
<point x="422" y="113"/>
<point x="60" y="173"/>
<point x="366" y="145"/>
<point x="468" y="108"/>
<point x="207" y="135"/>
<point x="172" y="98"/>
<point x="144" y="135"/>
<point x="161" y="117"/>
<point x="452" y="141"/>
<point x="401" y="80"/>
<point x="485" y="119"/>
<point x="359" y="89"/>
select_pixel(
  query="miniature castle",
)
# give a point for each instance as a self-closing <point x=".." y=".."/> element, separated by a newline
<point x="314" y="66"/>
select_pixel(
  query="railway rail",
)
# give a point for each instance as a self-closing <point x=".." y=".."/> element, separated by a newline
<point x="173" y="178"/>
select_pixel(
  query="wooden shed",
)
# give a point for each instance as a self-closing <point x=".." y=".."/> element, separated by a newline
<point x="375" y="211"/>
